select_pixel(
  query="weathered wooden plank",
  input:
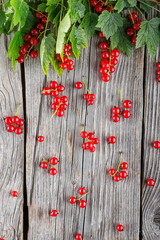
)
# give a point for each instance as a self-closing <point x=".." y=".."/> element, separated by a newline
<point x="109" y="203"/>
<point x="151" y="168"/>
<point x="11" y="149"/>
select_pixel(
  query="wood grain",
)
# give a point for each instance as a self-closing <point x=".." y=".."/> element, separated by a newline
<point x="109" y="203"/>
<point x="11" y="149"/>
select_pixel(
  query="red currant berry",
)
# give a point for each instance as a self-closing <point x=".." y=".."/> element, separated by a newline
<point x="55" y="106"/>
<point x="91" y="96"/>
<point x="112" y="171"/>
<point x="65" y="48"/>
<point x="33" y="54"/>
<point x="101" y="34"/>
<point x="78" y="85"/>
<point x="58" y="56"/>
<point x="126" y="114"/>
<point x="44" y="20"/>
<point x="69" y="46"/>
<point x="84" y="134"/>
<point x="130" y="31"/>
<point x="99" y="8"/>
<point x="114" y="61"/>
<point x="44" y="165"/>
<point x="112" y="69"/>
<point x="46" y="91"/>
<point x="85" y="146"/>
<point x="15" y="119"/>
<point x="112" y="139"/>
<point x="105" y="78"/>
<point x="54" y="161"/>
<point x="116" y="178"/>
<point x="72" y="200"/>
<point x="8" y="120"/>
<point x="63" y="65"/>
<point x="115" y="53"/>
<point x="60" y="88"/>
<point x="93" y="3"/>
<point x="82" y="191"/>
<point x="150" y="182"/>
<point x="156" y="144"/>
<point x="158" y="72"/>
<point x="103" y="70"/>
<point x="82" y="203"/>
<point x="86" y="96"/>
<point x="40" y="139"/>
<point x="63" y="106"/>
<point x="134" y="39"/>
<point x="120" y="228"/>
<point x="64" y="99"/>
<point x="27" y="45"/>
<point x="53" y="84"/>
<point x="105" y="54"/>
<point x="123" y="174"/>
<point x="34" y="41"/>
<point x="23" y="50"/>
<point x="20" y="59"/>
<point x="38" y="15"/>
<point x="53" y="171"/>
<point x="90" y="145"/>
<point x="127" y="104"/>
<point x="20" y="122"/>
<point x="124" y="165"/>
<point x="18" y="130"/>
<point x="105" y="63"/>
<point x="69" y="61"/>
<point x="115" y="118"/>
<point x="95" y="140"/>
<point x="91" y="136"/>
<point x="54" y="213"/>
<point x="137" y="25"/>
<point x="10" y="128"/>
<point x="116" y="110"/>
<point x="90" y="101"/>
<point x="57" y="100"/>
<point x="34" y="32"/>
<point x="93" y="149"/>
<point x="158" y="65"/>
<point x="158" y="79"/>
<point x="69" y="54"/>
<point x="40" y="26"/>
<point x="60" y="113"/>
<point x="27" y="37"/>
<point x="14" y="194"/>
<point x="134" y="16"/>
<point x="79" y="236"/>
<point x="70" y="67"/>
<point x="103" y="45"/>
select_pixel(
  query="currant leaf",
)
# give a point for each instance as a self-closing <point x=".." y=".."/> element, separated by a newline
<point x="47" y="51"/>
<point x="13" y="51"/>
<point x="109" y="23"/>
<point x="53" y="2"/>
<point x="148" y="8"/>
<point x="62" y="30"/>
<point x="21" y="12"/>
<point x="2" y="18"/>
<point x="89" y="24"/>
<point x="120" y="5"/>
<point x="56" y="66"/>
<point x="42" y="7"/>
<point x="53" y="11"/>
<point x="77" y="10"/>
<point x="132" y="3"/>
<point x="78" y="39"/>
<point x="149" y="34"/>
<point x="30" y="23"/>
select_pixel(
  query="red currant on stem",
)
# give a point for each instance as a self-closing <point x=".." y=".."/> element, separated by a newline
<point x="18" y="130"/>
<point x="158" y="65"/>
<point x="115" y="118"/>
<point x="150" y="182"/>
<point x="101" y="34"/>
<point x="79" y="236"/>
<point x="120" y="228"/>
<point x="134" y="39"/>
<point x="46" y="91"/>
<point x="40" y="139"/>
<point x="54" y="161"/>
<point x="156" y="144"/>
<point x="33" y="54"/>
<point x="72" y="200"/>
<point x="8" y="120"/>
<point x="10" y="128"/>
<point x="127" y="104"/>
<point x="133" y="16"/>
<point x="53" y="171"/>
<point x="14" y="194"/>
<point x="112" y="140"/>
<point x="44" y="165"/>
<point x="20" y="59"/>
<point x="78" y="85"/>
<point x="112" y="171"/>
<point x="123" y="174"/>
<point x="124" y="165"/>
<point x="82" y="203"/>
<point x="82" y="191"/>
<point x="116" y="110"/>
<point x="116" y="178"/>
<point x="126" y="114"/>
<point x="84" y="134"/>
<point x="53" y="213"/>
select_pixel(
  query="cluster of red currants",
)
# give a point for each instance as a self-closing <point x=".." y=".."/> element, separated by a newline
<point x="156" y="144"/>
<point x="14" y="124"/>
<point x="59" y="104"/>
<point x="100" y="7"/>
<point x="82" y="203"/>
<point x="89" y="97"/>
<point x="109" y="59"/>
<point x="51" y="163"/>
<point x="119" y="174"/>
<point x="66" y="62"/>
<point x="92" y="141"/>
<point x="158" y="71"/>
<point x="132" y="31"/>
<point x="32" y="39"/>
<point x="117" y="111"/>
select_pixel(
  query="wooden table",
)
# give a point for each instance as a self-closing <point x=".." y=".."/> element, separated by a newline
<point x="130" y="202"/>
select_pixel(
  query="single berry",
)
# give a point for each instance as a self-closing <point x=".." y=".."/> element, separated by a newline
<point x="115" y="53"/>
<point x="57" y="100"/>
<point x="38" y="15"/>
<point x="63" y="65"/>
<point x="58" y="56"/>
<point x="112" y="69"/>
<point x="79" y="236"/>
<point x="127" y="104"/>
<point x="33" y="54"/>
<point x="8" y="120"/>
<point x="134" y="39"/>
<point x="105" y="78"/>
<point x="130" y="31"/>
<point x="69" y="46"/>
<point x="34" y="32"/>
<point x="123" y="174"/>
<point x="14" y="194"/>
<point x="158" y="72"/>
<point x="126" y="114"/>
<point x="150" y="182"/>
<point x="115" y="118"/>
<point x="133" y="16"/>
<point x="70" y="67"/>
<point x="86" y="96"/>
<point x="91" y="96"/>
<point x="15" y="119"/>
<point x="105" y="54"/>
<point x="95" y="140"/>
<point x="64" y="99"/>
<point x="158" y="65"/>
<point x="112" y="171"/>
<point x="10" y="128"/>
<point x="116" y="178"/>
<point x="40" y="26"/>
<point x="53" y="171"/>
<point x="91" y="135"/>
<point x="103" y="45"/>
<point x="124" y="165"/>
<point x="53" y="84"/>
<point x="82" y="191"/>
<point x="55" y="106"/>
<point x="46" y="91"/>
<point x="34" y="41"/>
<point x="99" y="8"/>
<point x="84" y="134"/>
<point x="44" y="20"/>
<point x="63" y="106"/>
<point x="114" y="61"/>
<point x="60" y="88"/>
<point x="93" y="149"/>
<point x="78" y="85"/>
<point x="90" y="101"/>
<point x="27" y="37"/>
<point x="93" y="3"/>
<point x="44" y="165"/>
<point x="101" y="33"/>
<point x="158" y="79"/>
<point x="120" y="228"/>
<point x="72" y="200"/>
<point x="40" y="139"/>
<point x="23" y="50"/>
<point x="82" y="203"/>
<point x="27" y="45"/>
<point x="20" y="59"/>
<point x="60" y="113"/>
<point x="69" y="61"/>
<point x="54" y="161"/>
<point x="112" y="139"/>
<point x="53" y="213"/>
<point x="18" y="130"/>
<point x="156" y="144"/>
<point x="137" y="25"/>
<point x="116" y="110"/>
<point x="20" y="122"/>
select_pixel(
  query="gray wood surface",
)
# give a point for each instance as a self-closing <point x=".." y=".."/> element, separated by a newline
<point x="11" y="149"/>
<point x="108" y="203"/>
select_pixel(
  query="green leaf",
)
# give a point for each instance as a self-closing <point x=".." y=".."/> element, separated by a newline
<point x="121" y="4"/>
<point x="53" y="2"/>
<point x="78" y="39"/>
<point x="42" y="7"/>
<point x="77" y="10"/>
<point x="121" y="40"/>
<point x="14" y="47"/>
<point x="2" y="18"/>
<point x="47" y="51"/>
<point x="146" y="8"/>
<point x="149" y="34"/>
<point x="53" y="11"/>
<point x="132" y="3"/>
<point x="62" y="30"/>
<point x="30" y="23"/>
<point x="56" y="65"/>
<point x="109" y="23"/>
<point x="89" y="24"/>
<point x="21" y="12"/>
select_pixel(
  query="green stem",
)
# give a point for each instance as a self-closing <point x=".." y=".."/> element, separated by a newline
<point x="82" y="196"/>
<point x="121" y="100"/>
<point x="149" y="5"/>
<point x="141" y="13"/>
<point x="86" y="85"/>
<point x="62" y="3"/>
<point x="46" y="28"/>
<point x="18" y="109"/>
<point x="56" y="110"/>
<point x="118" y="165"/>
<point x="37" y="11"/>
<point x="131" y="16"/>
